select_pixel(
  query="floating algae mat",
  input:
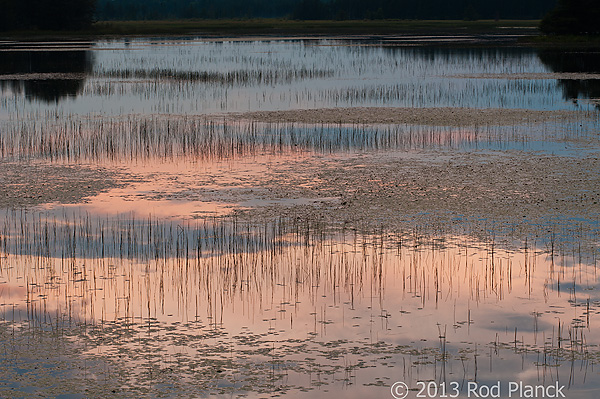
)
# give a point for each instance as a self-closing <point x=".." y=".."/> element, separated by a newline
<point x="260" y="218"/>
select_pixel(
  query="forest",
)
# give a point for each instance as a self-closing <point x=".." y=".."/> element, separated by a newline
<point x="78" y="14"/>
<point x="323" y="9"/>
<point x="558" y="16"/>
<point x="46" y="14"/>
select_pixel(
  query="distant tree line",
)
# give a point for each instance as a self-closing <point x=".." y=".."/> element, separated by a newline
<point x="323" y="9"/>
<point x="124" y="10"/>
<point x="574" y="17"/>
<point x="423" y="9"/>
<point x="561" y="16"/>
<point x="46" y="14"/>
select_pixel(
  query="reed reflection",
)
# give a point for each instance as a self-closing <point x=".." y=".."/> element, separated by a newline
<point x="216" y="303"/>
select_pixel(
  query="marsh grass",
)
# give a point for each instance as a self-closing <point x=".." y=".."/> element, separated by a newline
<point x="147" y="307"/>
<point x="153" y="301"/>
<point x="137" y="138"/>
<point x="193" y="75"/>
<point x="241" y="77"/>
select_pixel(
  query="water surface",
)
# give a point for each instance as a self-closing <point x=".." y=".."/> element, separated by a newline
<point x="157" y="288"/>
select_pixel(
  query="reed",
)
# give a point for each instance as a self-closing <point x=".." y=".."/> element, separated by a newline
<point x="140" y="138"/>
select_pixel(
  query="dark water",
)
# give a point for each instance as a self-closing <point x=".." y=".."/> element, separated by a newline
<point x="575" y="62"/>
<point x="43" y="75"/>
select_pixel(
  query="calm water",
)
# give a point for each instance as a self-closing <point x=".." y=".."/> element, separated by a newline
<point x="195" y="76"/>
<point x="144" y="294"/>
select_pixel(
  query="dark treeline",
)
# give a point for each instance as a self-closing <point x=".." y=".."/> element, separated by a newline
<point x="108" y="10"/>
<point x="561" y="16"/>
<point x="323" y="9"/>
<point x="46" y="14"/>
<point x="573" y="17"/>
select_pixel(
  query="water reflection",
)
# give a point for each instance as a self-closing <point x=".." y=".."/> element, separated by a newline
<point x="43" y="74"/>
<point x="208" y="139"/>
<point x="196" y="75"/>
<point x="174" y="305"/>
<point x="227" y="307"/>
<point x="203" y="76"/>
<point x="580" y="62"/>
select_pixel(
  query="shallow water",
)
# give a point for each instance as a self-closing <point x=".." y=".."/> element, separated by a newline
<point x="199" y="76"/>
<point x="196" y="308"/>
<point x="156" y="288"/>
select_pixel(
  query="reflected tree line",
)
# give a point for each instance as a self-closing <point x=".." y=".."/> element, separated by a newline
<point x="588" y="62"/>
<point x="45" y="75"/>
<point x="54" y="75"/>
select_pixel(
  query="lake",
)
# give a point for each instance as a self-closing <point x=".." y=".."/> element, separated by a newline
<point x="302" y="217"/>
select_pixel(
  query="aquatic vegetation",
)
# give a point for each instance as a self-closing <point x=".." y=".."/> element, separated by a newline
<point x="138" y="138"/>
<point x="227" y="306"/>
<point x="197" y="249"/>
<point x="237" y="77"/>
